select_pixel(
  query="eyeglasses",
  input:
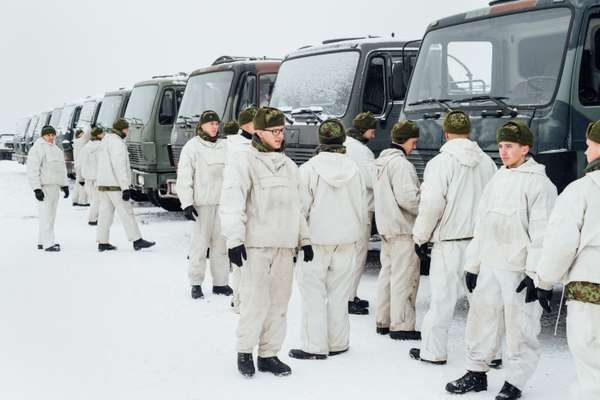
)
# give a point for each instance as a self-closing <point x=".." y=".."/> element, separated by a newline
<point x="275" y="131"/>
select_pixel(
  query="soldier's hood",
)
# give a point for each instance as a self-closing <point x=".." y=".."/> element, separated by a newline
<point x="272" y="160"/>
<point x="595" y="177"/>
<point x="94" y="145"/>
<point x="386" y="156"/>
<point x="466" y="151"/>
<point x="43" y="142"/>
<point x="530" y="167"/>
<point x="336" y="169"/>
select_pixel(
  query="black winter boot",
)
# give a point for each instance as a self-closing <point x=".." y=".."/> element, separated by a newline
<point x="302" y="355"/>
<point x="508" y="392"/>
<point x="142" y="244"/>
<point x="106" y="247"/>
<point x="245" y="364"/>
<point x="55" y="247"/>
<point x="337" y="352"/>
<point x="470" y="382"/>
<point x="405" y="335"/>
<point x="197" y="293"/>
<point x="416" y="354"/>
<point x="274" y="366"/>
<point x="92" y="223"/>
<point x="360" y="302"/>
<point x="383" y="331"/>
<point x="222" y="290"/>
<point x="496" y="364"/>
<point x="354" y="308"/>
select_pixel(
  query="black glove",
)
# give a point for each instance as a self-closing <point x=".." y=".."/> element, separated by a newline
<point x="237" y="255"/>
<point x="423" y="258"/>
<point x="544" y="297"/>
<point x="190" y="213"/>
<point x="82" y="183"/>
<point x="309" y="254"/>
<point x="126" y="195"/>
<point x="39" y="194"/>
<point x="471" y="281"/>
<point x="530" y="293"/>
<point x="65" y="190"/>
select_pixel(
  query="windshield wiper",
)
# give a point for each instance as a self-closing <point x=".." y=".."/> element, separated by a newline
<point x="287" y="111"/>
<point x="440" y="102"/>
<point x="135" y="120"/>
<point x="187" y="119"/>
<point x="313" y="111"/>
<point x="498" y="100"/>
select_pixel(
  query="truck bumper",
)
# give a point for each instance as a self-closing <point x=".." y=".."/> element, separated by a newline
<point x="147" y="181"/>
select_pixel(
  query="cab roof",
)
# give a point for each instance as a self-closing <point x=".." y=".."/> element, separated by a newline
<point x="226" y="63"/>
<point x="179" y="79"/>
<point x="118" y="92"/>
<point x="365" y="44"/>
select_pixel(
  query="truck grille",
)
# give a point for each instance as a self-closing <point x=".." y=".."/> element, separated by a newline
<point x="135" y="153"/>
<point x="174" y="153"/>
<point x="300" y="155"/>
<point x="420" y="158"/>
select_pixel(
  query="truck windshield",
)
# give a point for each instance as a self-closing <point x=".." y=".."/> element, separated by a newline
<point x="65" y="118"/>
<point x="32" y="125"/>
<point x="22" y="127"/>
<point x="140" y="103"/>
<point x="87" y="113"/>
<point x="207" y="91"/>
<point x="109" y="110"/>
<point x="41" y="123"/>
<point x="323" y="80"/>
<point x="55" y="119"/>
<point x="516" y="57"/>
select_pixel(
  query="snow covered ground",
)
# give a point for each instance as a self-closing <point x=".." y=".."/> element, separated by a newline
<point x="121" y="325"/>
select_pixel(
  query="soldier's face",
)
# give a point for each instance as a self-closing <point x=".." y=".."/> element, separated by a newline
<point x="249" y="127"/>
<point x="369" y="134"/>
<point x="211" y="128"/>
<point x="409" y="145"/>
<point x="272" y="137"/>
<point x="49" y="138"/>
<point x="593" y="150"/>
<point x="512" y="154"/>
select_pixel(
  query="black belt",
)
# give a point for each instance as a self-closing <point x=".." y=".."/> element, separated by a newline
<point x="458" y="240"/>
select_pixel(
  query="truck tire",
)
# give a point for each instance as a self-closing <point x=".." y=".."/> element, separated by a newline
<point x="138" y="196"/>
<point x="169" y="204"/>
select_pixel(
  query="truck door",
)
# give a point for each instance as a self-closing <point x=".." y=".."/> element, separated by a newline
<point x="167" y="112"/>
<point x="246" y="95"/>
<point x="585" y="95"/>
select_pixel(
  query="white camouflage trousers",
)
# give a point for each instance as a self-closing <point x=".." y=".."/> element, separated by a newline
<point x="397" y="284"/>
<point x="108" y="203"/>
<point x="92" y="193"/>
<point x="446" y="282"/>
<point x="47" y="215"/>
<point x="583" y="335"/>
<point x="265" y="289"/>
<point x="362" y="249"/>
<point x="80" y="195"/>
<point x="496" y="309"/>
<point x="324" y="284"/>
<point x="206" y="234"/>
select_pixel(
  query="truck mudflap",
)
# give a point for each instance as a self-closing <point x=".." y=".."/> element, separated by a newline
<point x="561" y="166"/>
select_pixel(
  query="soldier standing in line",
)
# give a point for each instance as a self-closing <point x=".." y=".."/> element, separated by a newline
<point x="452" y="186"/>
<point x="570" y="254"/>
<point x="47" y="174"/>
<point x="263" y="223"/>
<point x="361" y="132"/>
<point x="501" y="261"/>
<point x="396" y="191"/>
<point x="333" y="193"/>
<point x="199" y="183"/>
<point x="88" y="161"/>
<point x="113" y="183"/>
<point x="80" y="197"/>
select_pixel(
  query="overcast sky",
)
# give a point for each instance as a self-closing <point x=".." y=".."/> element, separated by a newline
<point x="52" y="52"/>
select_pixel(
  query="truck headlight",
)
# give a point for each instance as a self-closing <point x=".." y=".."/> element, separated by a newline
<point x="140" y="179"/>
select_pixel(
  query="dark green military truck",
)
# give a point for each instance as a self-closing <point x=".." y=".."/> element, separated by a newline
<point x="151" y="112"/>
<point x="65" y="132"/>
<point x="113" y="106"/>
<point x="22" y="127"/>
<point x="341" y="78"/>
<point x="538" y="61"/>
<point x="228" y="86"/>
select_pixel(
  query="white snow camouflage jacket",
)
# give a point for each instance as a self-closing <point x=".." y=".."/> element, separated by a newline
<point x="113" y="163"/>
<point x="46" y="165"/>
<point x="88" y="160"/>
<point x="365" y="159"/>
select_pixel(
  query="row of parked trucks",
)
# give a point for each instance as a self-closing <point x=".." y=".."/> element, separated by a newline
<point x="535" y="60"/>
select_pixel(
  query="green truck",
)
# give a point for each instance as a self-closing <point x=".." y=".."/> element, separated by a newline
<point x="113" y="106"/>
<point x="534" y="60"/>
<point x="65" y="132"/>
<point x="341" y="78"/>
<point x="19" y="139"/>
<point x="151" y="112"/>
<point x="228" y="86"/>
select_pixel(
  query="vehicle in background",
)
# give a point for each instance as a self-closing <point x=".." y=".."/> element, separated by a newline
<point x="151" y="112"/>
<point x="7" y="146"/>
<point x="228" y="86"/>
<point x="537" y="61"/>
<point x="43" y="120"/>
<point x="65" y="132"/>
<point x="341" y="78"/>
<point x="19" y="139"/>
<point x="113" y="106"/>
<point x="88" y="115"/>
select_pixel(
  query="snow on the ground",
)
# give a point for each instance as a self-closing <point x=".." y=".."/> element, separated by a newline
<point x="121" y="325"/>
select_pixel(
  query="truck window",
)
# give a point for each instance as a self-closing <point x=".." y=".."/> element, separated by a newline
<point x="266" y="82"/>
<point x="374" y="93"/>
<point x="247" y="94"/>
<point x="589" y="72"/>
<point x="401" y="74"/>
<point x="468" y="75"/>
<point x="179" y="97"/>
<point x="167" y="112"/>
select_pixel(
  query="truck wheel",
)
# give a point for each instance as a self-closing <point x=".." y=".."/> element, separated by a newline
<point x="138" y="196"/>
<point x="169" y="204"/>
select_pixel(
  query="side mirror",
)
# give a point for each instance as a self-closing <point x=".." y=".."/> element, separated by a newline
<point x="398" y="82"/>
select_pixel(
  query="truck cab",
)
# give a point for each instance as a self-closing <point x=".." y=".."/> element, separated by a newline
<point x="19" y="140"/>
<point x="88" y="115"/>
<point x="151" y="113"/>
<point x="43" y="120"/>
<point x="228" y="86"/>
<point x="66" y="131"/>
<point x="112" y="107"/>
<point x="341" y="78"/>
<point x="537" y="61"/>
